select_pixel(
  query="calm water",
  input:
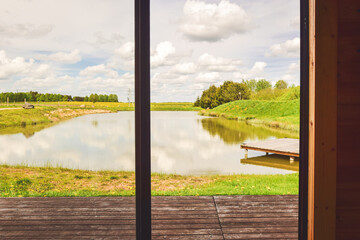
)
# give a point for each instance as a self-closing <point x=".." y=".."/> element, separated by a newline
<point x="182" y="143"/>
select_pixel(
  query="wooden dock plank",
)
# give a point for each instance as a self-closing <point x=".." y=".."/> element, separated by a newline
<point x="282" y="146"/>
<point x="218" y="217"/>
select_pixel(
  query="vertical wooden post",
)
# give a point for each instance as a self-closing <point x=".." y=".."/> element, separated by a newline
<point x="142" y="120"/>
<point x="322" y="119"/>
<point x="7" y="101"/>
<point x="304" y="120"/>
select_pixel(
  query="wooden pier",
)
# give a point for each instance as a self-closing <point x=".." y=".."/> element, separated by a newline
<point x="204" y="217"/>
<point x="282" y="146"/>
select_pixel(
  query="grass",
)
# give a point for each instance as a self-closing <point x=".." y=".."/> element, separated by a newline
<point x="276" y="114"/>
<point x="121" y="106"/>
<point x="22" y="181"/>
<point x="49" y="112"/>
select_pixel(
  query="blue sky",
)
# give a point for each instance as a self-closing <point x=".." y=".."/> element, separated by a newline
<point x="85" y="46"/>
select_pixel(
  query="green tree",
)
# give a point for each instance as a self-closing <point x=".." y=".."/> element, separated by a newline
<point x="42" y="98"/>
<point x="281" y="84"/>
<point x="251" y="84"/>
<point x="209" y="97"/>
<point x="262" y="84"/>
<point x="197" y="102"/>
<point x="231" y="91"/>
<point x="113" y="98"/>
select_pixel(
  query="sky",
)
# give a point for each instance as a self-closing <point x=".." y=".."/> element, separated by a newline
<point x="78" y="47"/>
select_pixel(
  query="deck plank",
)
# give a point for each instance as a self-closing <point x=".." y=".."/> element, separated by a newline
<point x="282" y="146"/>
<point x="218" y="217"/>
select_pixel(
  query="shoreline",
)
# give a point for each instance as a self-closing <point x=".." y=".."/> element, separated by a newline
<point x="270" y="124"/>
<point x="23" y="181"/>
<point x="278" y="115"/>
<point x="52" y="113"/>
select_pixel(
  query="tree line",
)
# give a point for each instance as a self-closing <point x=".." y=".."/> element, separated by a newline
<point x="232" y="91"/>
<point x="51" y="97"/>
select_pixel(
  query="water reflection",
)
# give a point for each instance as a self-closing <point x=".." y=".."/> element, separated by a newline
<point x="182" y="143"/>
<point x="27" y="130"/>
<point x="274" y="161"/>
<point x="235" y="132"/>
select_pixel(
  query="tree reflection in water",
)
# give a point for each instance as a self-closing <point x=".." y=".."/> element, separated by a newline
<point x="236" y="132"/>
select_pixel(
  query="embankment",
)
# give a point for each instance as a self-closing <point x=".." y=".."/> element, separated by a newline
<point x="275" y="114"/>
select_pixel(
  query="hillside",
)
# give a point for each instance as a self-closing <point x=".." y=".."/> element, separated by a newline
<point x="275" y="114"/>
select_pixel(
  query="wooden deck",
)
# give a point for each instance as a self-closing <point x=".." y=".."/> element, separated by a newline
<point x="282" y="146"/>
<point x="218" y="217"/>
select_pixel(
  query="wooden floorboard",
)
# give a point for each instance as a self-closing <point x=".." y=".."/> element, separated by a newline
<point x="218" y="217"/>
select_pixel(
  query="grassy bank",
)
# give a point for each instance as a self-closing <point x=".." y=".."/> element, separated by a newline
<point x="276" y="114"/>
<point x="20" y="181"/>
<point x="41" y="115"/>
<point x="50" y="112"/>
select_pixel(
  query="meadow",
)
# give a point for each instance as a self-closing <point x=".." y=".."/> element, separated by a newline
<point x="50" y="112"/>
<point x="23" y="181"/>
<point x="271" y="113"/>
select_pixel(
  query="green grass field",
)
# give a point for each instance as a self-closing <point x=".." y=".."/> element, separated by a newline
<point x="21" y="181"/>
<point x="47" y="112"/>
<point x="277" y="114"/>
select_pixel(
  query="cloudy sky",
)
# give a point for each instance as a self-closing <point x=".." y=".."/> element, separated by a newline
<point x="79" y="47"/>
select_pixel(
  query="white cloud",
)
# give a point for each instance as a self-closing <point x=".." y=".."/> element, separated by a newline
<point x="292" y="73"/>
<point x="169" y="78"/>
<point x="63" y="57"/>
<point x="42" y="84"/>
<point x="288" y="49"/>
<point x="163" y="55"/>
<point x="294" y="67"/>
<point x="108" y="84"/>
<point x="126" y="51"/>
<point x="102" y="38"/>
<point x="213" y="22"/>
<point x="295" y="22"/>
<point x="217" y="64"/>
<point x="256" y="72"/>
<point x="124" y="57"/>
<point x="10" y="67"/>
<point x="197" y="86"/>
<point x="207" y="77"/>
<point x="25" y="30"/>
<point x="99" y="69"/>
<point x="184" y="68"/>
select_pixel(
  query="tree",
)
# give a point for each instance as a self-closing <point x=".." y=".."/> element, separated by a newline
<point x="209" y="97"/>
<point x="42" y="98"/>
<point x="113" y="98"/>
<point x="231" y="91"/>
<point x="262" y="84"/>
<point x="281" y="84"/>
<point x="197" y="102"/>
<point x="251" y="84"/>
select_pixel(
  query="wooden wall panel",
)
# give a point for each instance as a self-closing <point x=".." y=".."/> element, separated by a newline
<point x="323" y="119"/>
<point x="348" y="121"/>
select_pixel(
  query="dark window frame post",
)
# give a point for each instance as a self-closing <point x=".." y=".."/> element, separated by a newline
<point x="142" y="120"/>
<point x="304" y="119"/>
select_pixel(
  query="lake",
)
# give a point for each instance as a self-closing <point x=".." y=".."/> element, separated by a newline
<point x="182" y="143"/>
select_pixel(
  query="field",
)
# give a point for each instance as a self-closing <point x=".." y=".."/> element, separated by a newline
<point x="276" y="114"/>
<point x="22" y="181"/>
<point x="50" y="112"/>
